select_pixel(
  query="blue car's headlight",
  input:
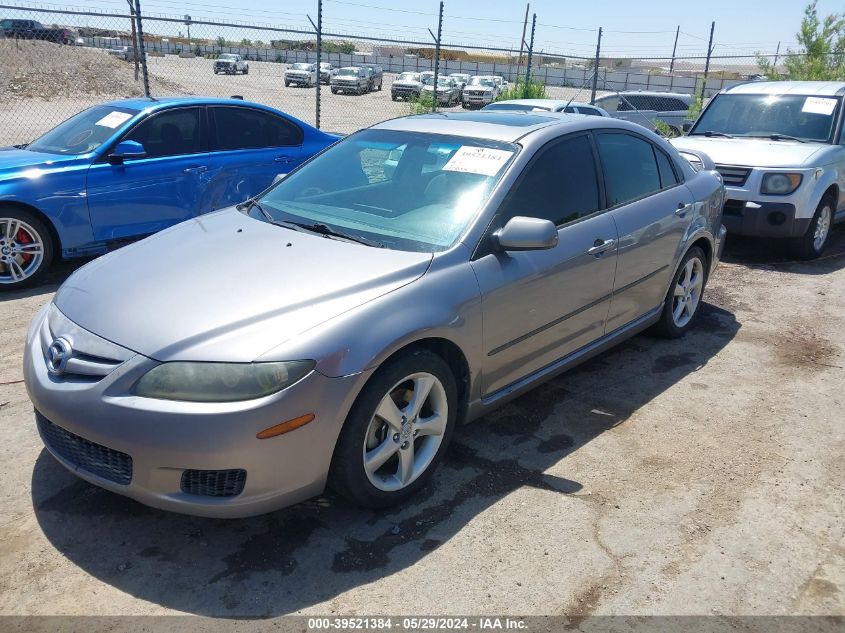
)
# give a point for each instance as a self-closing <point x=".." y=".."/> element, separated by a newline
<point x="220" y="382"/>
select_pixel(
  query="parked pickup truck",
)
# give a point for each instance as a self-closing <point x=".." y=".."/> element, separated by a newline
<point x="122" y="52"/>
<point x="33" y="30"/>
<point x="779" y="148"/>
<point x="230" y="64"/>
<point x="647" y="108"/>
<point x="353" y="79"/>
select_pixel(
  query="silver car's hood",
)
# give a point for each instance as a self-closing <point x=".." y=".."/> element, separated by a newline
<point x="753" y="152"/>
<point x="227" y="287"/>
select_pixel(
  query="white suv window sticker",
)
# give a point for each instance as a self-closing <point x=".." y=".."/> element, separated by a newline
<point x="819" y="105"/>
<point x="113" y="119"/>
<point x="477" y="160"/>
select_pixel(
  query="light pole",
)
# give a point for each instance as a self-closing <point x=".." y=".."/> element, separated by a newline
<point x="188" y="24"/>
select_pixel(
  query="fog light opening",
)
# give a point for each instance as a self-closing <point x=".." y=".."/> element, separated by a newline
<point x="285" y="427"/>
<point x="776" y="218"/>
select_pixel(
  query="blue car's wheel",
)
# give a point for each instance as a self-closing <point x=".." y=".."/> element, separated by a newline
<point x="26" y="248"/>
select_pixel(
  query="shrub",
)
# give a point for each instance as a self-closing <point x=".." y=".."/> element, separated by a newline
<point x="521" y="90"/>
<point x="422" y="104"/>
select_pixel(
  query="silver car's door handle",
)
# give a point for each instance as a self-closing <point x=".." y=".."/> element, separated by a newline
<point x="600" y="247"/>
<point x="682" y="209"/>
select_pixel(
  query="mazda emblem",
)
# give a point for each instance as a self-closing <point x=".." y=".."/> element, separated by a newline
<point x="58" y="355"/>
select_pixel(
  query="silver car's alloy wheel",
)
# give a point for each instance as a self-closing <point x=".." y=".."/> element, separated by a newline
<point x="21" y="250"/>
<point x="687" y="293"/>
<point x="822" y="228"/>
<point x="405" y="432"/>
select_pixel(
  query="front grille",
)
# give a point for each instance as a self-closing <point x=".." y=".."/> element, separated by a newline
<point x="84" y="454"/>
<point x="214" y="483"/>
<point x="735" y="176"/>
<point x="733" y="207"/>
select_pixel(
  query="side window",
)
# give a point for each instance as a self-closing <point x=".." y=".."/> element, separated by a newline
<point x="611" y="104"/>
<point x="170" y="133"/>
<point x="560" y="185"/>
<point x="630" y="168"/>
<point x="244" y="128"/>
<point x="664" y="167"/>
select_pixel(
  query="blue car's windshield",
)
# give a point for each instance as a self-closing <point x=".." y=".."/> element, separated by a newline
<point x="84" y="132"/>
<point x="805" y="117"/>
<point x="405" y="190"/>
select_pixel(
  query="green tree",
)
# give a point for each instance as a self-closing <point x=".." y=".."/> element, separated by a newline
<point x="221" y="41"/>
<point x="822" y="53"/>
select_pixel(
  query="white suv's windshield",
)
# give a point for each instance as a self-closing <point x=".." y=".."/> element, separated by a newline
<point x="301" y="66"/>
<point x="401" y="190"/>
<point x="348" y="71"/>
<point x="84" y="132"/>
<point x="780" y="117"/>
<point x="227" y="57"/>
<point x="482" y="81"/>
<point x="408" y="77"/>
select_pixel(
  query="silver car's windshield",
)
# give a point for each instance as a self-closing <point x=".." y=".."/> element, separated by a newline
<point x="405" y="190"/>
<point x="804" y="117"/>
<point x="84" y="132"/>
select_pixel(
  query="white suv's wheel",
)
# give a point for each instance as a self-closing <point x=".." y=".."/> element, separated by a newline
<point x="813" y="242"/>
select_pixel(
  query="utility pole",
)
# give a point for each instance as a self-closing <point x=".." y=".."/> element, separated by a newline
<point x="188" y="24"/>
<point x="775" y="64"/>
<point x="437" y="56"/>
<point x="134" y="37"/>
<point x="674" y="49"/>
<point x="522" y="40"/>
<point x="530" y="54"/>
<point x="707" y="63"/>
<point x="596" y="69"/>
<point x="141" y="47"/>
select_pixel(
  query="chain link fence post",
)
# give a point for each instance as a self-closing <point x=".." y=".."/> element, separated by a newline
<point x="596" y="70"/>
<point x="142" y="47"/>
<point x="437" y="57"/>
<point x="530" y="56"/>
<point x="707" y="63"/>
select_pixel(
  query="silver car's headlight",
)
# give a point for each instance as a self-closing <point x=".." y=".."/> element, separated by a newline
<point x="220" y="382"/>
<point x="780" y="184"/>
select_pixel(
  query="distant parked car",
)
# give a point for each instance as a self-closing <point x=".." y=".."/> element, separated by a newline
<point x="126" y="53"/>
<point x="645" y="108"/>
<point x="406" y="86"/>
<point x="461" y="79"/>
<point x="376" y="77"/>
<point x="448" y="92"/>
<point x="547" y="105"/>
<point x="481" y="90"/>
<point x="230" y="64"/>
<point x="301" y="74"/>
<point x="779" y="148"/>
<point x="354" y="79"/>
<point x="336" y="329"/>
<point x="327" y="71"/>
<point x="33" y="30"/>
<point x="125" y="169"/>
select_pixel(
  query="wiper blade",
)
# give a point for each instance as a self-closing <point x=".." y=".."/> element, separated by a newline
<point x="709" y="133"/>
<point x="325" y="229"/>
<point x="785" y="137"/>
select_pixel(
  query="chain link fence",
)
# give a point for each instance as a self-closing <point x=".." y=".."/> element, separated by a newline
<point x="56" y="61"/>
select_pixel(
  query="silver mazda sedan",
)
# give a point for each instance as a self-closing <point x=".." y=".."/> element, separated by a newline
<point x="335" y="329"/>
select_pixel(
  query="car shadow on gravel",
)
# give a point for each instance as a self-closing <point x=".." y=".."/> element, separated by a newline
<point x="50" y="282"/>
<point x="294" y="558"/>
<point x="773" y="254"/>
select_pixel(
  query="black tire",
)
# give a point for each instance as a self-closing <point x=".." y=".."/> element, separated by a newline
<point x="334" y="91"/>
<point x="287" y="84"/>
<point x="805" y="247"/>
<point x="246" y="70"/>
<point x="394" y="98"/>
<point x="44" y="236"/>
<point x="666" y="326"/>
<point x="347" y="475"/>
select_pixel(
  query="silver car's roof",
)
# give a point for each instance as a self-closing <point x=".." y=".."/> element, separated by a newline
<point x="544" y="103"/>
<point x="497" y="125"/>
<point x="820" y="88"/>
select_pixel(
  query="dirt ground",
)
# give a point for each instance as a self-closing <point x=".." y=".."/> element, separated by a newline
<point x="697" y="476"/>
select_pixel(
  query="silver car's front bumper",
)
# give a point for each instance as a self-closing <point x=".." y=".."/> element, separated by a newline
<point x="164" y="438"/>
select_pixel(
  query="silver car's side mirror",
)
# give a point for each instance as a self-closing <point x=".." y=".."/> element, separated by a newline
<point x="526" y="234"/>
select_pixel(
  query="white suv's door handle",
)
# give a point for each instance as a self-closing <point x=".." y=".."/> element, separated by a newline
<point x="600" y="247"/>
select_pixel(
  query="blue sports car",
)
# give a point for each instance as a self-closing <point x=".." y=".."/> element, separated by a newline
<point x="124" y="169"/>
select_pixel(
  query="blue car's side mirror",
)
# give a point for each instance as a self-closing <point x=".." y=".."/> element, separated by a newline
<point x="127" y="150"/>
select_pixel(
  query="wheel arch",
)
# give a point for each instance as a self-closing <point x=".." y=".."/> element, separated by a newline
<point x="51" y="228"/>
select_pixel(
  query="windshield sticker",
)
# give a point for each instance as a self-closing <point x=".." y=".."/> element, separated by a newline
<point x="477" y="160"/>
<point x="113" y="119"/>
<point x="819" y="105"/>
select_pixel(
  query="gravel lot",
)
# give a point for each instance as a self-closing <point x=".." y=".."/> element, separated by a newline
<point x="697" y="476"/>
<point x="24" y="119"/>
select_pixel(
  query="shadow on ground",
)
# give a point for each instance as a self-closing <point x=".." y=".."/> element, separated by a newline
<point x="300" y="556"/>
<point x="767" y="253"/>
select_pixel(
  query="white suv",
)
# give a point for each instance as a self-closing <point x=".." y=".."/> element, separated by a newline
<point x="781" y="152"/>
